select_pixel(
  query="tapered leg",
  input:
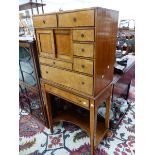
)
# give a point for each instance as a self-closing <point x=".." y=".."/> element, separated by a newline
<point x="93" y="122"/>
<point x="107" y="114"/>
<point x="47" y="102"/>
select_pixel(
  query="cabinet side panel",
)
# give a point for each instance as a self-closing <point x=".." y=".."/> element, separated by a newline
<point x="106" y="33"/>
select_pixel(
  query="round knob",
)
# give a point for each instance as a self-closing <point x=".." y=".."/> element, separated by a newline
<point x="44" y="21"/>
<point x="82" y="49"/>
<point x="82" y="35"/>
<point x="47" y="72"/>
<point x="54" y="63"/>
<point x="82" y="66"/>
<point x="74" y="19"/>
<point x="82" y="83"/>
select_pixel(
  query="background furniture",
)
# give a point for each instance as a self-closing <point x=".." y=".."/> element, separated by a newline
<point x="76" y="54"/>
<point x="126" y="40"/>
<point x="31" y="4"/>
<point x="25" y="17"/>
<point x="29" y="86"/>
<point x="121" y="87"/>
<point x="125" y="78"/>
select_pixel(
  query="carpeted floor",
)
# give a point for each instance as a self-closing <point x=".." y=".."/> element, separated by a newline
<point x="68" y="139"/>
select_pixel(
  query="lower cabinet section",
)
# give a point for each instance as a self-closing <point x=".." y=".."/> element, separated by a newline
<point x="79" y="82"/>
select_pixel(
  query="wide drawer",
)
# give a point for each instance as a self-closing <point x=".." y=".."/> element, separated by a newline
<point x="68" y="96"/>
<point x="45" y="21"/>
<point x="75" y="19"/>
<point x="56" y="63"/>
<point x="69" y="79"/>
<point x="83" y="35"/>
<point x="84" y="50"/>
<point x="83" y="65"/>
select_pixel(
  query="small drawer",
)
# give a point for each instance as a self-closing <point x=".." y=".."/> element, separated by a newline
<point x="83" y="35"/>
<point x="75" y="19"/>
<point x="44" y="21"/>
<point x="56" y="63"/>
<point x="83" y="65"/>
<point x="84" y="50"/>
<point x="68" y="96"/>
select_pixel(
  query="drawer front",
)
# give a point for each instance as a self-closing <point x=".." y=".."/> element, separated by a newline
<point x="66" y="95"/>
<point x="73" y="80"/>
<point x="55" y="63"/>
<point x="83" y="35"/>
<point x="84" y="66"/>
<point x="84" y="50"/>
<point x="45" y="21"/>
<point x="75" y="19"/>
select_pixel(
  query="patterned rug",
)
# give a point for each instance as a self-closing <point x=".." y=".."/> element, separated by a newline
<point x="69" y="139"/>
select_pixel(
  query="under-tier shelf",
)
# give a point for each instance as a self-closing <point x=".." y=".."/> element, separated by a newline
<point x="82" y="120"/>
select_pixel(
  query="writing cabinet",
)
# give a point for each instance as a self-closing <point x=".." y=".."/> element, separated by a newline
<point x="77" y="55"/>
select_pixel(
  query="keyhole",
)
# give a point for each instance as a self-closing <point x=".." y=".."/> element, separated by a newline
<point x="82" y="35"/>
<point x="82" y="83"/>
<point x="82" y="66"/>
<point x="74" y="19"/>
<point x="82" y="49"/>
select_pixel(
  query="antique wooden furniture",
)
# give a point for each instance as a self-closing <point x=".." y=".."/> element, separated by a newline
<point x="25" y="19"/>
<point x="121" y="87"/>
<point x="121" y="82"/>
<point x="31" y="5"/>
<point x="76" y="54"/>
<point x="30" y="97"/>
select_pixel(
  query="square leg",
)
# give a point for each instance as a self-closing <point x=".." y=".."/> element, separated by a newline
<point x="48" y="105"/>
<point x="93" y="123"/>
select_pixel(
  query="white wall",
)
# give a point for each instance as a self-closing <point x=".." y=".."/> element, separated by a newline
<point x="126" y="8"/>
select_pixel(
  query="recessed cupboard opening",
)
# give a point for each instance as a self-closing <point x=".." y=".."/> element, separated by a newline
<point x="63" y="43"/>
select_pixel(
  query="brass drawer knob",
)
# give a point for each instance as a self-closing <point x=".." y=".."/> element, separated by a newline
<point x="82" y="83"/>
<point x="79" y="100"/>
<point x="82" y="49"/>
<point x="44" y="21"/>
<point x="74" y="19"/>
<point x="47" y="72"/>
<point x="54" y="63"/>
<point x="84" y="103"/>
<point x="82" y="35"/>
<point x="83" y="66"/>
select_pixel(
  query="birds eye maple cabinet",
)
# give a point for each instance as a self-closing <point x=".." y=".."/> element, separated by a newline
<point x="77" y="55"/>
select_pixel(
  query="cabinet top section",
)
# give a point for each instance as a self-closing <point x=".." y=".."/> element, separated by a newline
<point x="75" y="10"/>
